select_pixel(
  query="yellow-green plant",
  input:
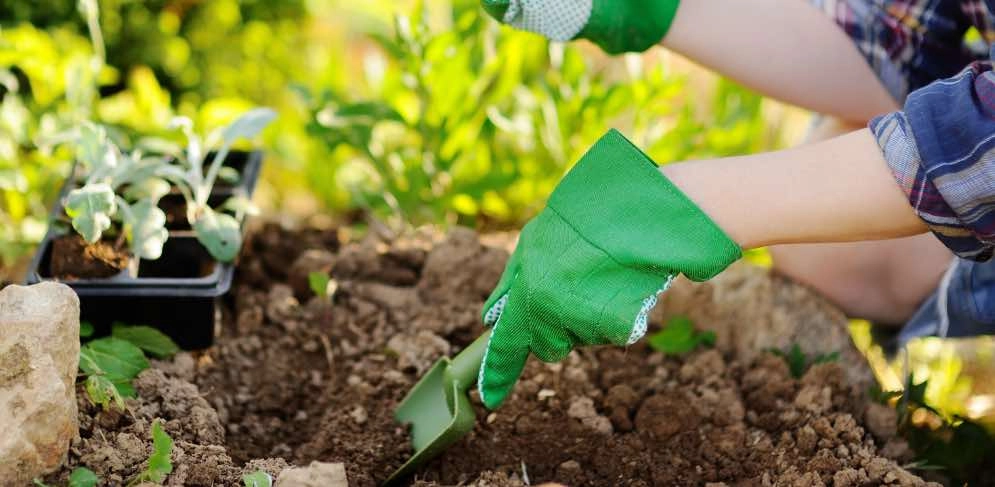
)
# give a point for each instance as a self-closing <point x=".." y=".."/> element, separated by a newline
<point x="463" y="119"/>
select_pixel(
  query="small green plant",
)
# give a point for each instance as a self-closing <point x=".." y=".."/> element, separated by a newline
<point x="159" y="464"/>
<point x="118" y="187"/>
<point x="110" y="364"/>
<point x="798" y="362"/>
<point x="321" y="284"/>
<point x="962" y="449"/>
<point x="679" y="337"/>
<point x="258" y="478"/>
<point x="83" y="477"/>
<point x="217" y="231"/>
<point x="80" y="477"/>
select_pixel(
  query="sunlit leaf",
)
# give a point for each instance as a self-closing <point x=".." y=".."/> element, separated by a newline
<point x="83" y="477"/>
<point x="249" y="124"/>
<point x="147" y="338"/>
<point x="219" y="233"/>
<point x="117" y="360"/>
<point x="90" y="209"/>
<point x="679" y="337"/>
<point x="146" y="230"/>
<point x="259" y="478"/>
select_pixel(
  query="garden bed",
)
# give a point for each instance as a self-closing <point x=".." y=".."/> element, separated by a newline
<point x="295" y="378"/>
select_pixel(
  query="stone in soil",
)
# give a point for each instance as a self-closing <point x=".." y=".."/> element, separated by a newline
<point x="39" y="354"/>
<point x="304" y="379"/>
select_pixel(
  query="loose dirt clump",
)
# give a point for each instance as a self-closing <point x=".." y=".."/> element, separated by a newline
<point x="73" y="258"/>
<point x="298" y="378"/>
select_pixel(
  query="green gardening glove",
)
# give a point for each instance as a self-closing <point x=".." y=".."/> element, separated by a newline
<point x="615" y="25"/>
<point x="589" y="267"/>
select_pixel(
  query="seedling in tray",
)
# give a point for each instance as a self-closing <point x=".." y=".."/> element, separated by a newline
<point x="219" y="232"/>
<point x="126" y="188"/>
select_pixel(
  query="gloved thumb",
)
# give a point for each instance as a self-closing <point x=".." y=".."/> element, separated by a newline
<point x="504" y="360"/>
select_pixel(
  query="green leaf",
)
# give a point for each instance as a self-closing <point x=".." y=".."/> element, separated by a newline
<point x="219" y="233"/>
<point x="147" y="338"/>
<point x="249" y="124"/>
<point x="83" y="477"/>
<point x="149" y="188"/>
<point x="159" y="462"/>
<point x="86" y="329"/>
<point x="228" y="174"/>
<point x="103" y="392"/>
<point x="91" y="208"/>
<point x="39" y="483"/>
<point x="799" y="363"/>
<point x="240" y="205"/>
<point x="258" y="478"/>
<point x="116" y="359"/>
<point x="679" y="337"/>
<point x="319" y="283"/>
<point x="145" y="229"/>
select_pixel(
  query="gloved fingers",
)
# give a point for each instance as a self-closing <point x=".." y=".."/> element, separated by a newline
<point x="499" y="296"/>
<point x="504" y="360"/>
<point x="551" y="343"/>
<point x="556" y="20"/>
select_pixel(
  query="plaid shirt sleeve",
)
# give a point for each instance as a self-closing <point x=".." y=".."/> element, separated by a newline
<point x="911" y="43"/>
<point x="941" y="150"/>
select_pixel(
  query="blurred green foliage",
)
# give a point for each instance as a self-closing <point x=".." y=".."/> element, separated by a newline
<point x="418" y="111"/>
<point x="463" y="120"/>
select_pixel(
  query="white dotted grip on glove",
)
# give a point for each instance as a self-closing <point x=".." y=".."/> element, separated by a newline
<point x="558" y="20"/>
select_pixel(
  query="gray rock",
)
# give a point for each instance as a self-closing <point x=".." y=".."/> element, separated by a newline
<point x="317" y="474"/>
<point x="39" y="356"/>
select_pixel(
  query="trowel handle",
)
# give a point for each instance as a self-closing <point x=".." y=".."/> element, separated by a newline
<point x="463" y="368"/>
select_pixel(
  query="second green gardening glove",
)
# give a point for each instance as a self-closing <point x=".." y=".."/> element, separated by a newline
<point x="615" y="25"/>
<point x="587" y="270"/>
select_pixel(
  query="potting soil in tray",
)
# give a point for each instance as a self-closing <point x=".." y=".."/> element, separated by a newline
<point x="296" y="378"/>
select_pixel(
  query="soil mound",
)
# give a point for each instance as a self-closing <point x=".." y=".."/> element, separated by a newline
<point x="296" y="378"/>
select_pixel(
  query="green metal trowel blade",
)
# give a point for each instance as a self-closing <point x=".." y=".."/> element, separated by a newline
<point x="436" y="421"/>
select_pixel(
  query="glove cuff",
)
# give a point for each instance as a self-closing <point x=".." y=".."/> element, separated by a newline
<point x="629" y="26"/>
<point x="616" y="198"/>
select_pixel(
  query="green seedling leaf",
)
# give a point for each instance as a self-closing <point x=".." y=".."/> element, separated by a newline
<point x="258" y="478"/>
<point x="249" y="124"/>
<point x="799" y="363"/>
<point x="145" y="229"/>
<point x="219" y="233"/>
<point x="679" y="337"/>
<point x="117" y="360"/>
<point x="228" y="174"/>
<point x="146" y="338"/>
<point x="151" y="188"/>
<point x="90" y="209"/>
<point x="319" y="283"/>
<point x="39" y="483"/>
<point x="159" y="463"/>
<point x="86" y="329"/>
<point x="240" y="205"/>
<point x="83" y="477"/>
<point x="94" y="149"/>
<point x="103" y="392"/>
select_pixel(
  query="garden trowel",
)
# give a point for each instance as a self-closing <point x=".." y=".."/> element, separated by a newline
<point x="438" y="407"/>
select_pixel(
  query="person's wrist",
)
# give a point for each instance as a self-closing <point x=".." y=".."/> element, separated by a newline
<point x="701" y="192"/>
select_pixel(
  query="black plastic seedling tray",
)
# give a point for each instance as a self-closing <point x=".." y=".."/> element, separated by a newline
<point x="178" y="294"/>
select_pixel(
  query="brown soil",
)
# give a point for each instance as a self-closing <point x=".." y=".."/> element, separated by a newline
<point x="296" y="378"/>
<point x="73" y="258"/>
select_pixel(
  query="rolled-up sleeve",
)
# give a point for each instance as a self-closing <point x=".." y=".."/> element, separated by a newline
<point x="941" y="150"/>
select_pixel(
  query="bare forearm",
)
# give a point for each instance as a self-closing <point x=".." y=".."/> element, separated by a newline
<point x="839" y="190"/>
<point x="786" y="49"/>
